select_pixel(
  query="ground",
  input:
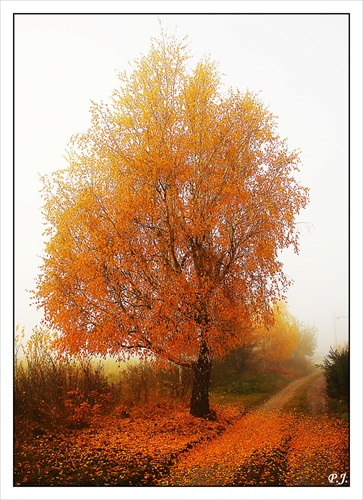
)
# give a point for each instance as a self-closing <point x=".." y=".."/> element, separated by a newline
<point x="317" y="397"/>
<point x="282" y="397"/>
<point x="270" y="446"/>
<point x="289" y="440"/>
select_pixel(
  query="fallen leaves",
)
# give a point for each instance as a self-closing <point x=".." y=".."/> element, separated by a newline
<point x="128" y="451"/>
<point x="319" y="447"/>
<point x="172" y="448"/>
<point x="267" y="449"/>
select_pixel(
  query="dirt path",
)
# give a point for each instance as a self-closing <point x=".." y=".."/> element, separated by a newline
<point x="215" y="463"/>
<point x="317" y="397"/>
<point x="283" y="396"/>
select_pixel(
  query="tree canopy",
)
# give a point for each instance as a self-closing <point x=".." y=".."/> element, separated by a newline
<point x="164" y="231"/>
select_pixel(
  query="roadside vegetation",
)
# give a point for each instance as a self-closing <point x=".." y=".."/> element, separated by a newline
<point x="336" y="367"/>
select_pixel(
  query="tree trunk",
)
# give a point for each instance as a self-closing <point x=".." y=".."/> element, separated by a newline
<point x="199" y="404"/>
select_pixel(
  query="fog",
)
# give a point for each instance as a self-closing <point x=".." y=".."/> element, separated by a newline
<point x="298" y="64"/>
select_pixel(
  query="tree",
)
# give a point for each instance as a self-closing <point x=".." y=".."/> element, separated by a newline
<point x="164" y="229"/>
<point x="285" y="340"/>
<point x="306" y="343"/>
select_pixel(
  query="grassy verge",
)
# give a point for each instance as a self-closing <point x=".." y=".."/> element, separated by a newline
<point x="246" y="401"/>
<point x="247" y="391"/>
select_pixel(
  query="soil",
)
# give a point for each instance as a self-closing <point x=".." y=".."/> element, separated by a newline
<point x="317" y="397"/>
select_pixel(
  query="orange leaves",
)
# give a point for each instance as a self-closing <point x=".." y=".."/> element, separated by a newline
<point x="267" y="449"/>
<point x="318" y="448"/>
<point x="79" y="412"/>
<point x="135" y="450"/>
<point x="165" y="446"/>
<point x="176" y="200"/>
<point x="283" y="339"/>
<point x="214" y="463"/>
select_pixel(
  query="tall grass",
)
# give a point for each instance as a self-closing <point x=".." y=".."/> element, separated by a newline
<point x="57" y="391"/>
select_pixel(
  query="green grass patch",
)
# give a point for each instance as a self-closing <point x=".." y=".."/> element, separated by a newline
<point x="246" y="390"/>
<point x="246" y="400"/>
<point x="237" y="384"/>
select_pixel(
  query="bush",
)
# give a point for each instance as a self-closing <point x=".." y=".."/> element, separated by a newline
<point x="55" y="391"/>
<point x="52" y="391"/>
<point x="143" y="382"/>
<point x="336" y="371"/>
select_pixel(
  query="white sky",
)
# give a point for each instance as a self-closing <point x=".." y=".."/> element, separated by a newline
<point x="300" y="66"/>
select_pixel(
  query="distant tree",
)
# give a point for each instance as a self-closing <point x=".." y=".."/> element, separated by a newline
<point x="306" y="342"/>
<point x="285" y="340"/>
<point x="164" y="230"/>
<point x="336" y="371"/>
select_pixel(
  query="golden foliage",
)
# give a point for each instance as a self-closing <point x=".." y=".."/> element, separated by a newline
<point x="163" y="232"/>
<point x="278" y="342"/>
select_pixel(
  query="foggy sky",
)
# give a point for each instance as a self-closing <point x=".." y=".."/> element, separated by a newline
<point x="299" y="66"/>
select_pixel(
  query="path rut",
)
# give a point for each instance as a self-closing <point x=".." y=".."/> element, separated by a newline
<point x="282" y="397"/>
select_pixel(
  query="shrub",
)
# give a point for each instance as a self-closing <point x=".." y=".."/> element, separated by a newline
<point x="336" y="371"/>
<point x="50" y="390"/>
<point x="143" y="382"/>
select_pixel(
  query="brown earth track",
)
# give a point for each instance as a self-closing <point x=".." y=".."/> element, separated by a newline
<point x="282" y="397"/>
<point x="316" y="396"/>
<point x="215" y="468"/>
